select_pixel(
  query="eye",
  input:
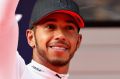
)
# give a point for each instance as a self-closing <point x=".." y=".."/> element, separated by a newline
<point x="69" y="27"/>
<point x="51" y="26"/>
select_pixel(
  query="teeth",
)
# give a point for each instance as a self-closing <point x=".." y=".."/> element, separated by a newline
<point x="59" y="48"/>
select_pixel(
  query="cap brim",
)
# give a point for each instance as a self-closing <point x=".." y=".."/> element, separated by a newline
<point x="79" y="20"/>
<point x="77" y="17"/>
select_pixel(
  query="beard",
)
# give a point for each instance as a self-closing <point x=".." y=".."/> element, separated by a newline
<point x="55" y="61"/>
<point x="59" y="62"/>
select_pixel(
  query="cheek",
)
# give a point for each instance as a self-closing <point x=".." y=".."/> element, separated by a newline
<point x="42" y="39"/>
<point x="74" y="42"/>
<point x="73" y="38"/>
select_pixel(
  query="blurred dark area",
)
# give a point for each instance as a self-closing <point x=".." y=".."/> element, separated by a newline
<point x="96" y="13"/>
<point x="100" y="13"/>
<point x="100" y="10"/>
<point x="24" y="8"/>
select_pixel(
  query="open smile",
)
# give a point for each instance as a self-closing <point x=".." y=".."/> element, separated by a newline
<point x="59" y="47"/>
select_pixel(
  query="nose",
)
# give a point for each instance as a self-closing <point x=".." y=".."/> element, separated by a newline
<point x="60" y="35"/>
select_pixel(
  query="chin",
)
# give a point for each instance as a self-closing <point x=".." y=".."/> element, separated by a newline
<point x="59" y="62"/>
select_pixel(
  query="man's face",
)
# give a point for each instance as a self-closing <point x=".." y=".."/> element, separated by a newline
<point x="55" y="39"/>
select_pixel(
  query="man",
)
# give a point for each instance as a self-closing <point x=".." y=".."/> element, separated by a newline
<point x="53" y="34"/>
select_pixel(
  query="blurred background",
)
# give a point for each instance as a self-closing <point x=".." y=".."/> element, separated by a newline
<point x="99" y="54"/>
<point x="103" y="13"/>
<point x="100" y="10"/>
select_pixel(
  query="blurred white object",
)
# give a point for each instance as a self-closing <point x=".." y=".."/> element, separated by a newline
<point x="18" y="17"/>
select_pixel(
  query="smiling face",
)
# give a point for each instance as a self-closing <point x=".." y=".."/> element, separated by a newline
<point x="54" y="40"/>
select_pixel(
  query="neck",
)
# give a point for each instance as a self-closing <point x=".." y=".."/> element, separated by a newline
<point x="59" y="69"/>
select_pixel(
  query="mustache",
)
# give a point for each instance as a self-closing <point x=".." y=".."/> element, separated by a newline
<point x="60" y="42"/>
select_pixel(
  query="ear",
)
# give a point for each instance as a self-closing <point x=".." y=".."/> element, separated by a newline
<point x="30" y="37"/>
<point x="79" y="40"/>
